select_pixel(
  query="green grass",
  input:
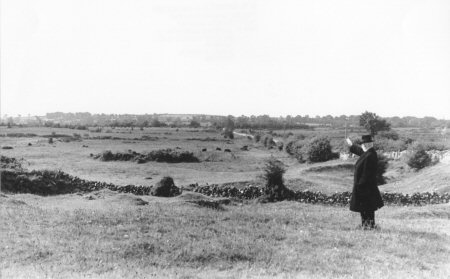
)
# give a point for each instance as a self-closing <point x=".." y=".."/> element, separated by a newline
<point x="216" y="167"/>
<point x="69" y="236"/>
<point x="73" y="158"/>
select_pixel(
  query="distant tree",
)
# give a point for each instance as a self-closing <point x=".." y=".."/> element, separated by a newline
<point x="373" y="123"/>
<point x="194" y="124"/>
<point x="229" y="124"/>
<point x="157" y="123"/>
<point x="229" y="127"/>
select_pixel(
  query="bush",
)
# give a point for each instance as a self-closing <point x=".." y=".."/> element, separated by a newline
<point x="275" y="190"/>
<point x="392" y="135"/>
<point x="389" y="145"/>
<point x="296" y="148"/>
<point x="228" y="134"/>
<point x="319" y="150"/>
<point x="257" y="138"/>
<point x="273" y="172"/>
<point x="419" y="159"/>
<point x="381" y="169"/>
<point x="289" y="147"/>
<point x="268" y="141"/>
<point x="163" y="155"/>
<point x="280" y="146"/>
<point x="165" y="188"/>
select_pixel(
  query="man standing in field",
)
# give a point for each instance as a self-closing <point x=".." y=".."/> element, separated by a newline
<point x="366" y="197"/>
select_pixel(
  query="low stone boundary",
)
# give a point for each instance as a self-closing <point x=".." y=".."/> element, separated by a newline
<point x="56" y="182"/>
<point x="341" y="199"/>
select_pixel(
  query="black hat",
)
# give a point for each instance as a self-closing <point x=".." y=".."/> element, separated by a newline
<point x="366" y="139"/>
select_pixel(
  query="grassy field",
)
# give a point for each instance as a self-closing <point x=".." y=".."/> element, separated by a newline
<point x="71" y="157"/>
<point x="109" y="235"/>
<point x="216" y="166"/>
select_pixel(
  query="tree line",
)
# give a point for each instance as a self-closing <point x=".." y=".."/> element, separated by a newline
<point x="61" y="119"/>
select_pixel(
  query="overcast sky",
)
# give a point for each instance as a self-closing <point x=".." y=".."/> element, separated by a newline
<point x="315" y="57"/>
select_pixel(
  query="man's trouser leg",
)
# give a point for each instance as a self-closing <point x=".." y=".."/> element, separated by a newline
<point x="368" y="219"/>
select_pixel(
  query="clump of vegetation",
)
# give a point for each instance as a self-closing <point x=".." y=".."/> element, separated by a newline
<point x="297" y="149"/>
<point x="319" y="150"/>
<point x="20" y="135"/>
<point x="275" y="190"/>
<point x="389" y="145"/>
<point x="392" y="135"/>
<point x="163" y="155"/>
<point x="267" y="141"/>
<point x="165" y="188"/>
<point x="9" y="163"/>
<point x="257" y="137"/>
<point x="373" y="123"/>
<point x="419" y="159"/>
<point x="381" y="168"/>
<point x="110" y="156"/>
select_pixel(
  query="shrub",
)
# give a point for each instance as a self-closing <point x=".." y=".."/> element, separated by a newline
<point x="9" y="163"/>
<point x="163" y="155"/>
<point x="106" y="156"/>
<point x="389" y="145"/>
<point x="228" y="134"/>
<point x="257" y="138"/>
<point x="419" y="159"/>
<point x="268" y="141"/>
<point x="296" y="148"/>
<point x="392" y="135"/>
<point x="280" y="146"/>
<point x="76" y="136"/>
<point x="171" y="156"/>
<point x="381" y="169"/>
<point x="165" y="188"/>
<point x="273" y="172"/>
<point x="289" y="147"/>
<point x="319" y="150"/>
<point x="289" y="134"/>
<point x="275" y="190"/>
<point x="407" y="140"/>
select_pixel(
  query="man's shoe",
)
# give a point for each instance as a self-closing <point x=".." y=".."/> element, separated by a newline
<point x="376" y="227"/>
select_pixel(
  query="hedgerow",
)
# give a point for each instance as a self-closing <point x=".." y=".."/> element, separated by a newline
<point x="163" y="155"/>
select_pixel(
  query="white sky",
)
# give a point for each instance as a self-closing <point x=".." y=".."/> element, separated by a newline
<point x="236" y="57"/>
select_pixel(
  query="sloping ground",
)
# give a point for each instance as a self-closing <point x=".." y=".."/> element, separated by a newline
<point x="328" y="177"/>
<point x="432" y="179"/>
<point x="46" y="238"/>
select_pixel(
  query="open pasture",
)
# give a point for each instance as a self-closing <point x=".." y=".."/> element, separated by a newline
<point x="215" y="167"/>
<point x="110" y="235"/>
<point x="72" y="154"/>
<point x="105" y="234"/>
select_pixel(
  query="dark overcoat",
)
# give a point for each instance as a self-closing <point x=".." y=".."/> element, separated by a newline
<point x="365" y="195"/>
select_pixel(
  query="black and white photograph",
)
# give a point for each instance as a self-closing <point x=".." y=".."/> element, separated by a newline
<point x="200" y="139"/>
